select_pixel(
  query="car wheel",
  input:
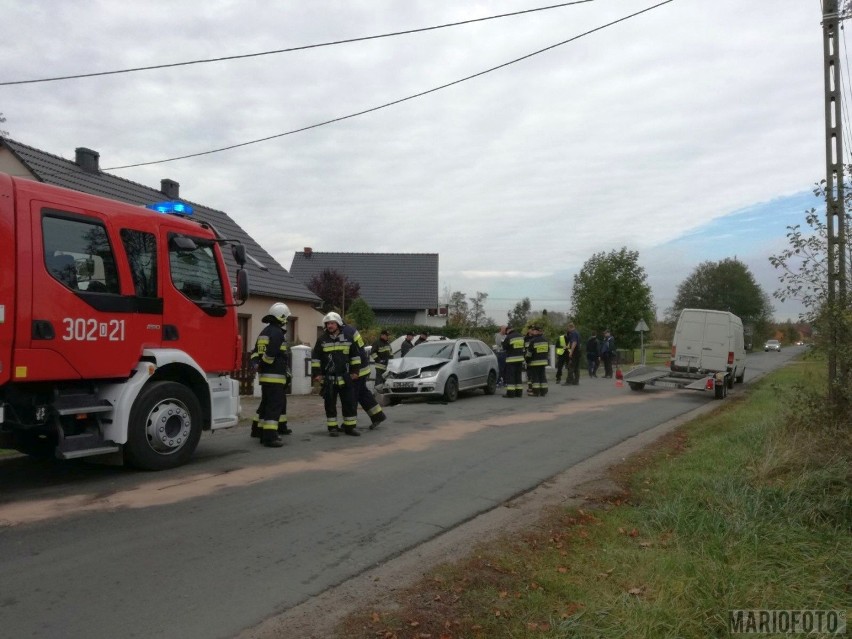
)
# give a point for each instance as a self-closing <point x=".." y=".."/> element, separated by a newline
<point x="451" y="390"/>
<point x="491" y="385"/>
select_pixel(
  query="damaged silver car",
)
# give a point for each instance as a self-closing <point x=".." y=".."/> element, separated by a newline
<point x="442" y="369"/>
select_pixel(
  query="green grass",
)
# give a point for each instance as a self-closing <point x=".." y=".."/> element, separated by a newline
<point x="748" y="507"/>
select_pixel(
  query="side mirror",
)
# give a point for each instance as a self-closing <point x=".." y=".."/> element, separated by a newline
<point x="242" y="286"/>
<point x="239" y="253"/>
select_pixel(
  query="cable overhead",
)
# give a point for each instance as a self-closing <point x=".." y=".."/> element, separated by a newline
<point x="393" y="103"/>
<point x="291" y="49"/>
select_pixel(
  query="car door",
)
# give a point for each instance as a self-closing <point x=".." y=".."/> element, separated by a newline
<point x="465" y="365"/>
<point x="483" y="358"/>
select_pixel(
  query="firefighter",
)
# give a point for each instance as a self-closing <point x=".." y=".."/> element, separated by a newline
<point x="538" y="350"/>
<point x="572" y="376"/>
<point x="270" y="359"/>
<point x="380" y="355"/>
<point x="513" y="345"/>
<point x="359" y="386"/>
<point x="336" y="362"/>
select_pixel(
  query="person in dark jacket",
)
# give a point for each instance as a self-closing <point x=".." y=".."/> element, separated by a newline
<point x="270" y="358"/>
<point x="359" y="384"/>
<point x="608" y="352"/>
<point x="572" y="376"/>
<point x="336" y="361"/>
<point x="592" y="355"/>
<point x="424" y="337"/>
<point x="537" y="354"/>
<point x="513" y="345"/>
<point x="407" y="344"/>
<point x="380" y="355"/>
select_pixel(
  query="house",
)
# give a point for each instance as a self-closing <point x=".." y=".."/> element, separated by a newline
<point x="401" y="288"/>
<point x="268" y="285"/>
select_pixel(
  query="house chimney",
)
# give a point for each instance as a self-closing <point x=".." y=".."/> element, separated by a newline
<point x="308" y="252"/>
<point x="170" y="189"/>
<point x="87" y="159"/>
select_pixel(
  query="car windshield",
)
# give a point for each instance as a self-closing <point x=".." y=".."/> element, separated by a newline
<point x="772" y="341"/>
<point x="441" y="350"/>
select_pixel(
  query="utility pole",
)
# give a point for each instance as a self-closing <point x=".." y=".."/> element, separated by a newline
<point x="835" y="205"/>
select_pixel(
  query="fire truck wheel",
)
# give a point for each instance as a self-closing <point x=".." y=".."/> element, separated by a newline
<point x="164" y="428"/>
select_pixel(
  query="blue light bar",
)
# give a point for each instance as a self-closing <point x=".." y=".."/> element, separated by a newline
<point x="173" y="206"/>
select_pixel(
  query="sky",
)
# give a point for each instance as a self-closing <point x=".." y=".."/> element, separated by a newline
<point x="693" y="131"/>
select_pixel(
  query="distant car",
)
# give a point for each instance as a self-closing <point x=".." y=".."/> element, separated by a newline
<point x="772" y="345"/>
<point x="442" y="369"/>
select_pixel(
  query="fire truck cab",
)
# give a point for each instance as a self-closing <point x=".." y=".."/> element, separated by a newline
<point x="118" y="327"/>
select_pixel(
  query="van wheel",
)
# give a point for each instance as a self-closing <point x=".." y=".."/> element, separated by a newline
<point x="164" y="427"/>
<point x="741" y="377"/>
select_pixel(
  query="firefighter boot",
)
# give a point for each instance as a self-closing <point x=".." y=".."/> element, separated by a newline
<point x="255" y="430"/>
<point x="350" y="430"/>
<point x="271" y="439"/>
<point x="378" y="418"/>
<point x="333" y="431"/>
<point x="283" y="429"/>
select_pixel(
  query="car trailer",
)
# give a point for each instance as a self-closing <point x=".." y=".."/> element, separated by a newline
<point x="641" y="376"/>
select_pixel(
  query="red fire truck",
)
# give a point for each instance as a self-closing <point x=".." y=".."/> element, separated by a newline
<point x="118" y="327"/>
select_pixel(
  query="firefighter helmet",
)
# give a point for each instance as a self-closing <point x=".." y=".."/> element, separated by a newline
<point x="332" y="317"/>
<point x="279" y="311"/>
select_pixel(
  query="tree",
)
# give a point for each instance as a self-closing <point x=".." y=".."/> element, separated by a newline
<point x="611" y="291"/>
<point x="360" y="314"/>
<point x="335" y="290"/>
<point x="477" y="317"/>
<point x="3" y="134"/>
<point x="519" y="315"/>
<point x="727" y="285"/>
<point x="458" y="310"/>
<point x="804" y="277"/>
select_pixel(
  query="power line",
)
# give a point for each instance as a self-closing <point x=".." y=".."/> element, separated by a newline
<point x="394" y="102"/>
<point x="290" y="49"/>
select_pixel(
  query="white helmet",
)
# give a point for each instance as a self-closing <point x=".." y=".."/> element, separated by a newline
<point x="279" y="311"/>
<point x="332" y="317"/>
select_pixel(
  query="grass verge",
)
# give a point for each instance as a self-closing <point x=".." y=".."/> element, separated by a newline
<point x="746" y="508"/>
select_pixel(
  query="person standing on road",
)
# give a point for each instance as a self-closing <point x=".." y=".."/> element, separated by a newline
<point x="592" y="354"/>
<point x="336" y="361"/>
<point x="538" y="350"/>
<point x="424" y="337"/>
<point x="380" y="355"/>
<point x="270" y="358"/>
<point x="608" y="353"/>
<point x="513" y="346"/>
<point x="407" y="344"/>
<point x="572" y="377"/>
<point x="561" y="359"/>
<point x="359" y="387"/>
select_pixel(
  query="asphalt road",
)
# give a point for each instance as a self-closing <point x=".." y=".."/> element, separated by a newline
<point x="244" y="532"/>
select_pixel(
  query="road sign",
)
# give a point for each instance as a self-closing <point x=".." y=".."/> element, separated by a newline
<point x="641" y="326"/>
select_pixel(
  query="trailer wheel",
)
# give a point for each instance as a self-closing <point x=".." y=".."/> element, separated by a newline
<point x="164" y="427"/>
<point x="636" y="386"/>
<point x="741" y="377"/>
<point x="721" y="390"/>
<point x="729" y="380"/>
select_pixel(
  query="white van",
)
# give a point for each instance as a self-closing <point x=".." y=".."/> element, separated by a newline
<point x="709" y="342"/>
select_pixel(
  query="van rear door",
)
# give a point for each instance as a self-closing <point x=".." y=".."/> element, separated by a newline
<point x="702" y="340"/>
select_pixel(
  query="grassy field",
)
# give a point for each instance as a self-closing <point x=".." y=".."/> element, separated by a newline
<point x="746" y="508"/>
